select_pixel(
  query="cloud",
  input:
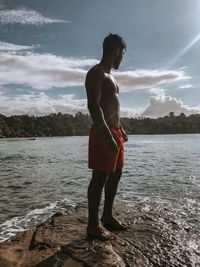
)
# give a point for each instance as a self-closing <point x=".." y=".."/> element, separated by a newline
<point x="187" y="86"/>
<point x="26" y="16"/>
<point x="160" y="107"/>
<point x="159" y="92"/>
<point x="130" y="80"/>
<point x="44" y="71"/>
<point x="130" y="112"/>
<point x="13" y="47"/>
<point x="41" y="104"/>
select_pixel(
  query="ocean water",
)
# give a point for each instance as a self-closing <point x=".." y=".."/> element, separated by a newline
<point x="42" y="176"/>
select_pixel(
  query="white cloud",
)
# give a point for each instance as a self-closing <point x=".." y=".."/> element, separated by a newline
<point x="41" y="104"/>
<point x="26" y="16"/>
<point x="160" y="107"/>
<point x="158" y="92"/>
<point x="187" y="86"/>
<point x="130" y="80"/>
<point x="130" y="112"/>
<point x="13" y="47"/>
<point x="44" y="71"/>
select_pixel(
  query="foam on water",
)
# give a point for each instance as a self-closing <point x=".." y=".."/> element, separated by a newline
<point x="18" y="224"/>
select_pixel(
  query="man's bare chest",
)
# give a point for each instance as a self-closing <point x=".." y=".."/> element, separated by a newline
<point x="110" y="85"/>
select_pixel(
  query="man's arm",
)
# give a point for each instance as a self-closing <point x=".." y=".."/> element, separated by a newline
<point x="94" y="84"/>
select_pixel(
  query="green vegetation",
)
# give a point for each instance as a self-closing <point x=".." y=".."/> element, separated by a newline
<point x="69" y="125"/>
<point x="51" y="125"/>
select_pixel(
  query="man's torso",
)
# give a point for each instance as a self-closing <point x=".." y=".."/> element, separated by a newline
<point x="109" y="98"/>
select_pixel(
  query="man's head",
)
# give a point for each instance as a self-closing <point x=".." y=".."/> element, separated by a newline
<point x="114" y="45"/>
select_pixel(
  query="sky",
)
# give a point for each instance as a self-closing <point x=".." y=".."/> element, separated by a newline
<point x="47" y="47"/>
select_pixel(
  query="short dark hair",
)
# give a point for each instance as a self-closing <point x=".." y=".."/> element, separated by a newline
<point x="111" y="42"/>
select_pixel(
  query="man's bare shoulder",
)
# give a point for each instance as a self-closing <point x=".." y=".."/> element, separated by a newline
<point x="96" y="72"/>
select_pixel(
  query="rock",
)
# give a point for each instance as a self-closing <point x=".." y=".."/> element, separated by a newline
<point x="14" y="251"/>
<point x="153" y="239"/>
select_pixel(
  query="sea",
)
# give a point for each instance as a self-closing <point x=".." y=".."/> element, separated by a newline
<point x="42" y="176"/>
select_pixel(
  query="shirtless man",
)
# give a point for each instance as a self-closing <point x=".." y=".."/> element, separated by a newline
<point x="106" y="140"/>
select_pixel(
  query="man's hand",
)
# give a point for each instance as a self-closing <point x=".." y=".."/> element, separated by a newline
<point x="124" y="135"/>
<point x="112" y="146"/>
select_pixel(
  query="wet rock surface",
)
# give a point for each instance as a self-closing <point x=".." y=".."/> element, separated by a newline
<point x="154" y="239"/>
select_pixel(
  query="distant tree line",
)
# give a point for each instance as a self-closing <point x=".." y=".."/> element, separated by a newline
<point x="39" y="126"/>
<point x="170" y="124"/>
<point x="68" y="125"/>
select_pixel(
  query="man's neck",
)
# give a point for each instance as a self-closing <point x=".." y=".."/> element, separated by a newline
<point x="107" y="64"/>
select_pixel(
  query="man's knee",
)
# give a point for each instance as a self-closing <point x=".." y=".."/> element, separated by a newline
<point x="99" y="176"/>
<point x="118" y="173"/>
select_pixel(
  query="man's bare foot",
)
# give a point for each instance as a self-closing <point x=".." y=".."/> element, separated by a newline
<point x="113" y="224"/>
<point x="99" y="232"/>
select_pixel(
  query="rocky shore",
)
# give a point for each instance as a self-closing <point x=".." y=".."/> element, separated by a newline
<point x="154" y="239"/>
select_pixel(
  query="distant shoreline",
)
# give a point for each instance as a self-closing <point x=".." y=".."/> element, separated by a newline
<point x="41" y="137"/>
<point x="33" y="138"/>
<point x="17" y="138"/>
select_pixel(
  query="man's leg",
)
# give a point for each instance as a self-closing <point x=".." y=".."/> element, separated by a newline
<point x="110" y="192"/>
<point x="94" y="197"/>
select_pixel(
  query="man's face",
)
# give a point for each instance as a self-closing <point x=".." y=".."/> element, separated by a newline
<point x="118" y="55"/>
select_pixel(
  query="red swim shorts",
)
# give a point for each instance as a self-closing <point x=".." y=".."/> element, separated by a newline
<point x="99" y="157"/>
